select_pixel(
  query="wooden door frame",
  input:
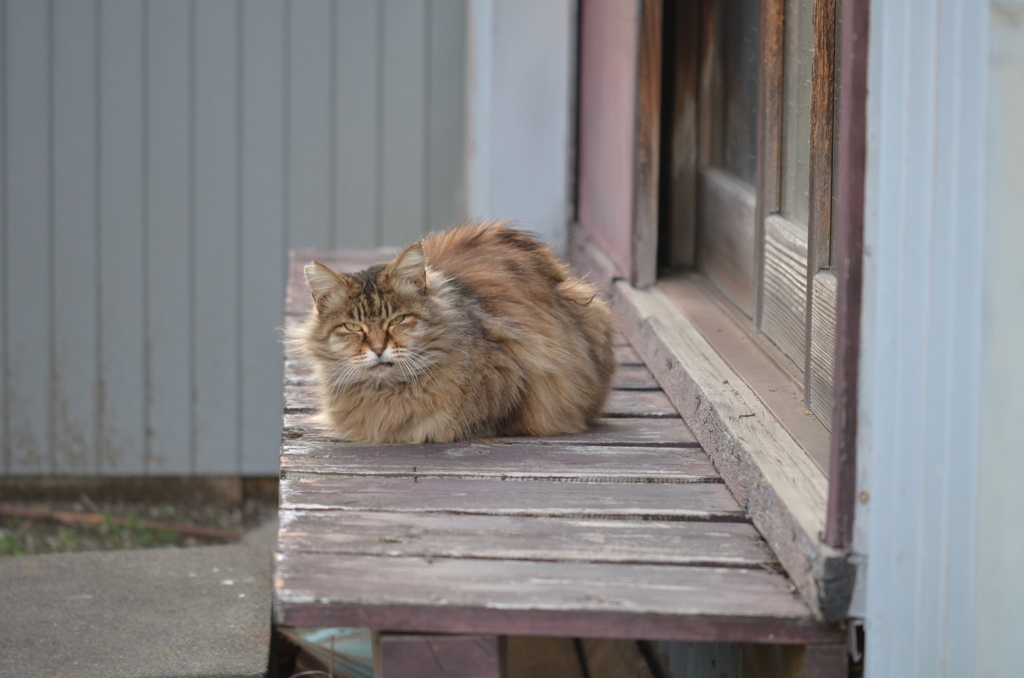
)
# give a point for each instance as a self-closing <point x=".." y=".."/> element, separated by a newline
<point x="817" y="562"/>
<point x="637" y="261"/>
<point x="849" y="220"/>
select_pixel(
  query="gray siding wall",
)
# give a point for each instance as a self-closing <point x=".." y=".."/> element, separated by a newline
<point x="159" y="159"/>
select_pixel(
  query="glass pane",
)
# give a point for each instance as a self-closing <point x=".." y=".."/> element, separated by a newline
<point x="796" y="93"/>
<point x="737" y="31"/>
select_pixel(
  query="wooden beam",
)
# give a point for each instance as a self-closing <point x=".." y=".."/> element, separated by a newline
<point x="595" y="600"/>
<point x="849" y="251"/>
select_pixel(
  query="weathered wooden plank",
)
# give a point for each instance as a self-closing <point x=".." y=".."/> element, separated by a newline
<point x="217" y="234"/>
<point x="749" y="446"/>
<point x="625" y="431"/>
<point x="28" y="247"/>
<point x="784" y="292"/>
<point x="168" y="239"/>
<point x="308" y="101"/>
<point x="823" y="345"/>
<point x="75" y="232"/>
<point x="654" y="432"/>
<point x="667" y="501"/>
<point x="639" y="404"/>
<point x="357" y="124"/>
<point x="727" y="248"/>
<point x="263" y="237"/>
<point x="305" y="398"/>
<point x="634" y="378"/>
<point x="404" y="147"/>
<point x="762" y="370"/>
<point x="298" y="373"/>
<point x="531" y="598"/>
<point x="123" y="367"/>
<point x="522" y="538"/>
<point x="299" y="424"/>
<point x="627" y="355"/>
<point x="508" y="461"/>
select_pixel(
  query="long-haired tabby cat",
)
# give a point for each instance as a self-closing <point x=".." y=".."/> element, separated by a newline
<point x="474" y="332"/>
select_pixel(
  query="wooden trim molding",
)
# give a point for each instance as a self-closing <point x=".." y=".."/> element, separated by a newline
<point x="849" y="252"/>
<point x="784" y="492"/>
<point x="769" y="135"/>
<point x="647" y="162"/>
<point x="822" y="116"/>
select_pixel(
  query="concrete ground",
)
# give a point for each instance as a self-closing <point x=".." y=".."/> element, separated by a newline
<point x="201" y="612"/>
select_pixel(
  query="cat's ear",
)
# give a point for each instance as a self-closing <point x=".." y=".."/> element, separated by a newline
<point x="410" y="268"/>
<point x="325" y="285"/>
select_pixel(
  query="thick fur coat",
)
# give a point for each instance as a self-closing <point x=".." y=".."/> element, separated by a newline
<point x="478" y="331"/>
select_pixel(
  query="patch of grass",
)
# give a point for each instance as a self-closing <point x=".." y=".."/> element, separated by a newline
<point x="9" y="546"/>
<point x="122" y="527"/>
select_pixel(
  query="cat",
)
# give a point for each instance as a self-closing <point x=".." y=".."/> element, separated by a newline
<point x="474" y="332"/>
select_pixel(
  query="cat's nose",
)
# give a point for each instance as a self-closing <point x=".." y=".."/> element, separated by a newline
<point x="378" y="349"/>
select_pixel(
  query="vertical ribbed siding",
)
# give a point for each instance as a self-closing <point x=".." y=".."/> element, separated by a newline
<point x="28" y="245"/>
<point x="159" y="158"/>
<point x="921" y="351"/>
<point x="999" y="590"/>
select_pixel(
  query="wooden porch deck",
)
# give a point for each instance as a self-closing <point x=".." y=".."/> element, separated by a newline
<point x="626" y="530"/>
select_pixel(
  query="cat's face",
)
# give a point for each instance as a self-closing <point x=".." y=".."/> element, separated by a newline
<point x="375" y="325"/>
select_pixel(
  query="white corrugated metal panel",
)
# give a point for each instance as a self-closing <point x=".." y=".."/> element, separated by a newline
<point x="999" y="592"/>
<point x="522" y="85"/>
<point x="920" y="344"/>
<point x="159" y="158"/>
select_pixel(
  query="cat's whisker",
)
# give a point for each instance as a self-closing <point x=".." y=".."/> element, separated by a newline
<point x="341" y="376"/>
<point x="421" y="365"/>
<point x="422" y="369"/>
<point x="338" y="383"/>
<point x="407" y="374"/>
<point x="422" y="354"/>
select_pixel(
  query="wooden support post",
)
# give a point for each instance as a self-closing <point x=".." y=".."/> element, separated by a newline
<point x="826" y="660"/>
<point x="435" y="656"/>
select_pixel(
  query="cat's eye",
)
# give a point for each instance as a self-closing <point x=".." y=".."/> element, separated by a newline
<point x="397" y="319"/>
<point x="353" y="327"/>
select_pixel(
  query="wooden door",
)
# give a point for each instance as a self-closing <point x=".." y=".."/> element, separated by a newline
<point x="748" y="191"/>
